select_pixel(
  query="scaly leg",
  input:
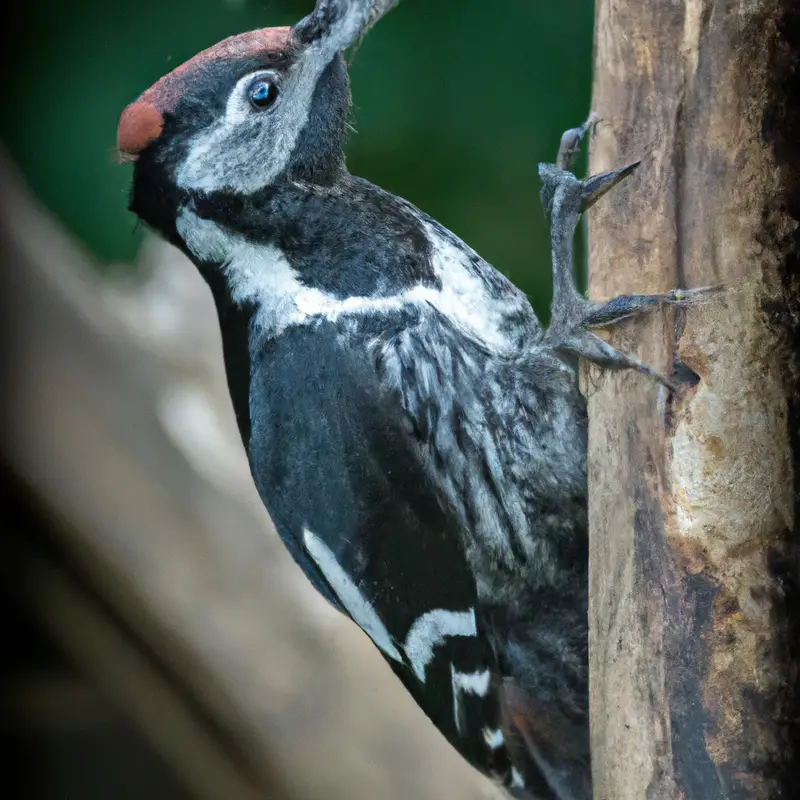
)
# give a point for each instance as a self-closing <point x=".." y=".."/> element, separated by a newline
<point x="564" y="198"/>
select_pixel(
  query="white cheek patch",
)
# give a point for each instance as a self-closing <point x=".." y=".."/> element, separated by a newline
<point x="350" y="596"/>
<point x="430" y="630"/>
<point x="246" y="149"/>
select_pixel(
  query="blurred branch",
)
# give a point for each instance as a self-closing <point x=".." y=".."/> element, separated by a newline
<point x="167" y="583"/>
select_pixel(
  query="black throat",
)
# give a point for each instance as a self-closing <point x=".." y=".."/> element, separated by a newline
<point x="234" y="322"/>
<point x="349" y="239"/>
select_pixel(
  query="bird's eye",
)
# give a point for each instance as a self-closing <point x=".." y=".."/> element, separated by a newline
<point x="262" y="93"/>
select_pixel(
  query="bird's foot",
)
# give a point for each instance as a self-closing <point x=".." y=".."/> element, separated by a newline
<point x="571" y="141"/>
<point x="573" y="317"/>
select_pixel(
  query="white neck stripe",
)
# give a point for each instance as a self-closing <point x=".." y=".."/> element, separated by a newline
<point x="260" y="274"/>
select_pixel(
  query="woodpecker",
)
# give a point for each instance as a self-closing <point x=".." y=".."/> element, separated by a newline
<point x="418" y="438"/>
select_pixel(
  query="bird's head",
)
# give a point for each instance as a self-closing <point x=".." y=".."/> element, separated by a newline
<point x="246" y="113"/>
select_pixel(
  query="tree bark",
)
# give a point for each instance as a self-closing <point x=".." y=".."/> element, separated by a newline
<point x="694" y="506"/>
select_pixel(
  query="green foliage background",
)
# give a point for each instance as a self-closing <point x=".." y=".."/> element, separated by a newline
<point x="455" y="103"/>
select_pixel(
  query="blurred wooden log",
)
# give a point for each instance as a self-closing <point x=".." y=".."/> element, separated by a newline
<point x="52" y="699"/>
<point x="694" y="499"/>
<point x="171" y="589"/>
<point x="62" y="739"/>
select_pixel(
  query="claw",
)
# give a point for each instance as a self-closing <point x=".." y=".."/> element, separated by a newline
<point x="564" y="198"/>
<point x="689" y="297"/>
<point x="628" y="305"/>
<point x="588" y="345"/>
<point x="571" y="142"/>
<point x="596" y="186"/>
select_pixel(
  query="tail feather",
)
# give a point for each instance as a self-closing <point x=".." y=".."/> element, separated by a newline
<point x="546" y="750"/>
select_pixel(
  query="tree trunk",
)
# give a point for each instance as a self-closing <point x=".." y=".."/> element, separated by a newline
<point x="694" y="509"/>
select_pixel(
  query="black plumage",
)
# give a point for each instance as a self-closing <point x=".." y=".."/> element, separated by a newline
<point x="418" y="439"/>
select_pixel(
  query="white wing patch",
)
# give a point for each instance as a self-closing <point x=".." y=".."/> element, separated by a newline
<point x="350" y="596"/>
<point x="517" y="781"/>
<point x="472" y="682"/>
<point x="494" y="738"/>
<point x="464" y="298"/>
<point x="426" y="633"/>
<point x="463" y="682"/>
<point x="430" y="630"/>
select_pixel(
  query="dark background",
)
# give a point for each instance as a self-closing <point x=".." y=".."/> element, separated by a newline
<point x="455" y="103"/>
